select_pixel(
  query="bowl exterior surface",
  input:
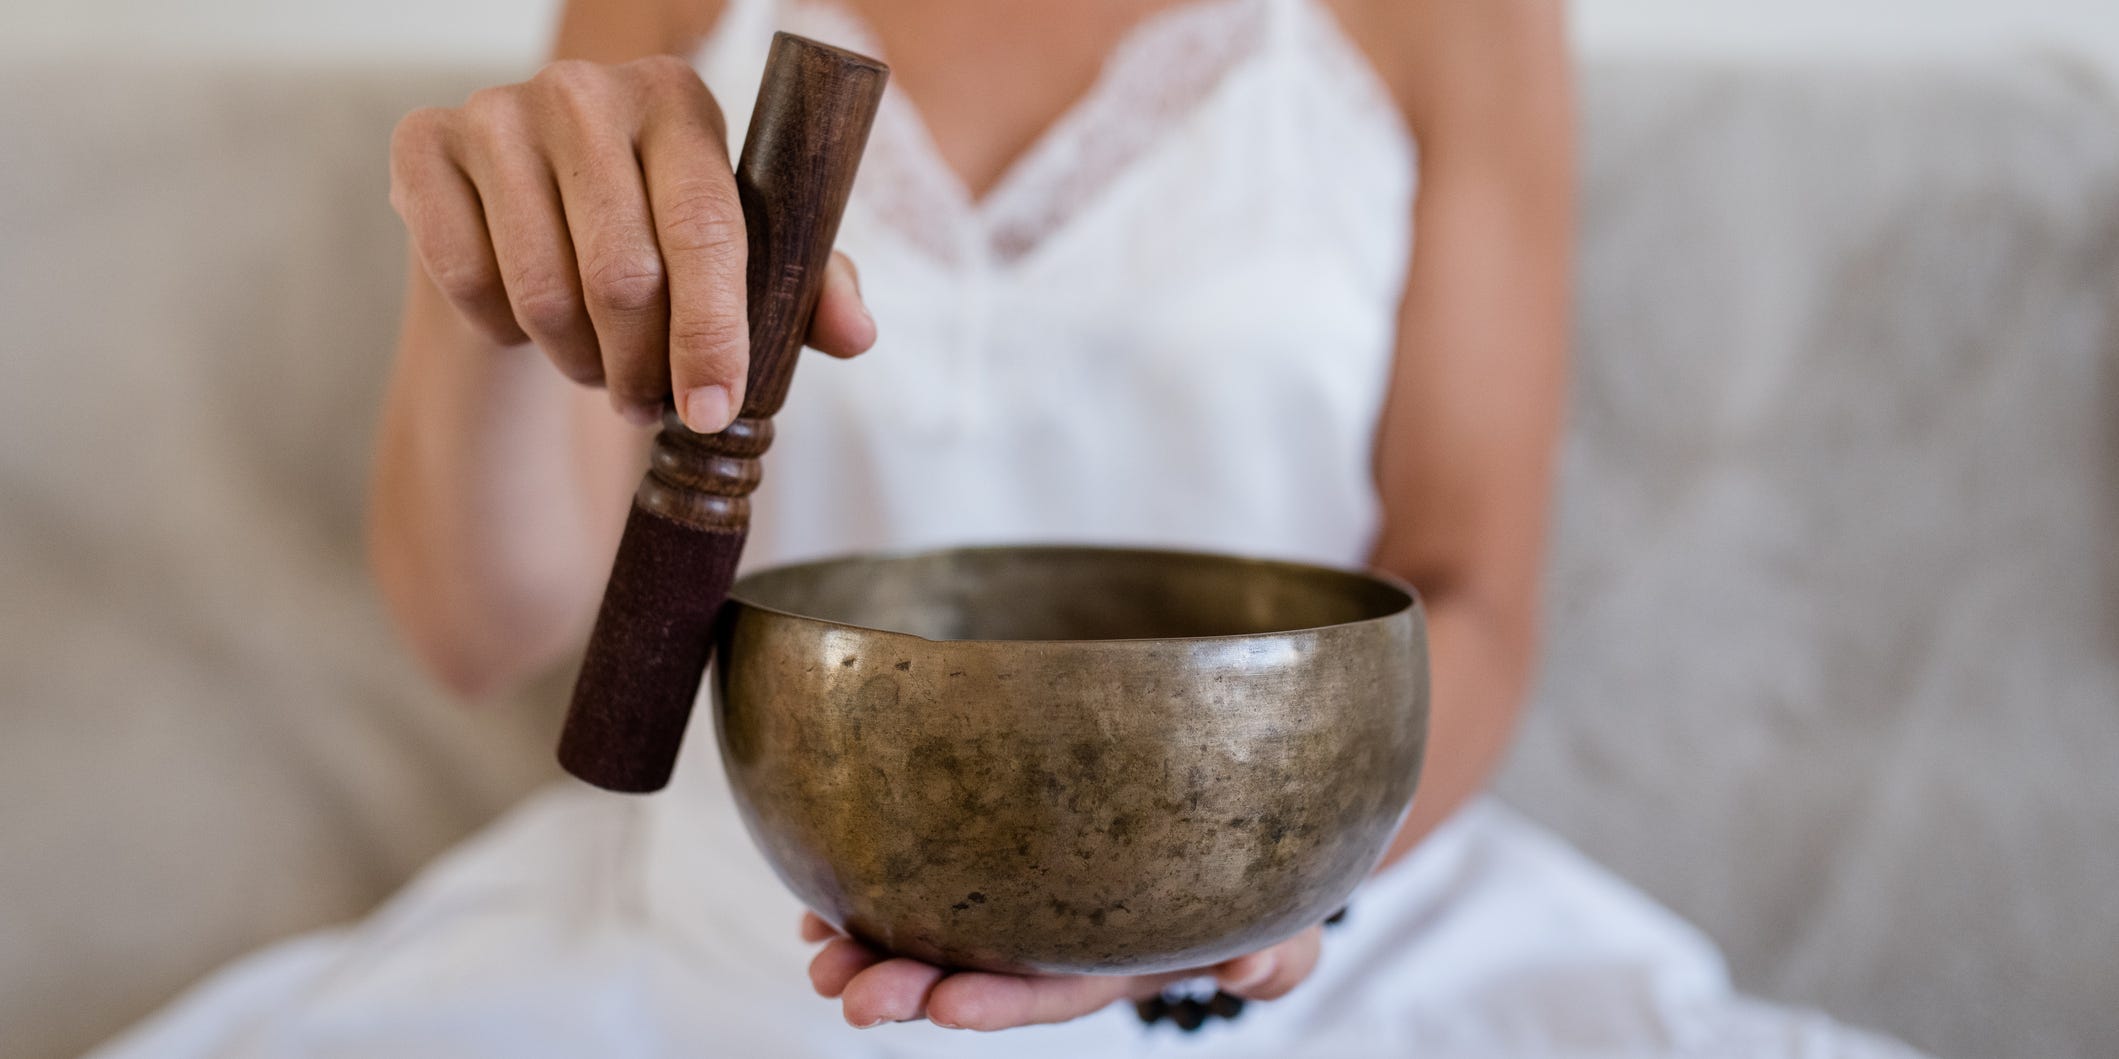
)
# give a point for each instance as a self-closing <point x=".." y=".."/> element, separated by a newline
<point x="1125" y="806"/>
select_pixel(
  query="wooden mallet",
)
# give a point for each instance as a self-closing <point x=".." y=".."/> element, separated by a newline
<point x="654" y="632"/>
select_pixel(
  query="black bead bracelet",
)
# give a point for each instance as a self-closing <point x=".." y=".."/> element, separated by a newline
<point x="1189" y="1013"/>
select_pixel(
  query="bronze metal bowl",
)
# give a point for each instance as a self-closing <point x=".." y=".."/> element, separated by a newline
<point x="1071" y="760"/>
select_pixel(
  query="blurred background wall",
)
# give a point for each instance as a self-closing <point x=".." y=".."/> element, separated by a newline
<point x="516" y="29"/>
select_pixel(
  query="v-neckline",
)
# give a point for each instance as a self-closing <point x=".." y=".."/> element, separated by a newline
<point x="1117" y="59"/>
<point x="1053" y="145"/>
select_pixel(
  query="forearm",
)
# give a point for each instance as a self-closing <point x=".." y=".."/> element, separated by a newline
<point x="1479" y="666"/>
<point x="498" y="492"/>
<point x="1471" y="428"/>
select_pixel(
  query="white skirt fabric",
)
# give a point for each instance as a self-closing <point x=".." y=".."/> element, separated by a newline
<point x="592" y="924"/>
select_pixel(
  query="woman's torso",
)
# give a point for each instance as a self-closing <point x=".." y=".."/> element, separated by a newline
<point x="1170" y="323"/>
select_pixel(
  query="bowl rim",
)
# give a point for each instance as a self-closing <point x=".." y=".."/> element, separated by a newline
<point x="1411" y="602"/>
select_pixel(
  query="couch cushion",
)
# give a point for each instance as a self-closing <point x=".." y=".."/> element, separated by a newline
<point x="1833" y="643"/>
<point x="212" y="739"/>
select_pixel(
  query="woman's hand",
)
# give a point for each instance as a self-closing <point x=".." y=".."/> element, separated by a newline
<point x="873" y="989"/>
<point x="592" y="210"/>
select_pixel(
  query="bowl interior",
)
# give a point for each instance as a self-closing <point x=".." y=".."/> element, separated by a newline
<point x="1064" y="593"/>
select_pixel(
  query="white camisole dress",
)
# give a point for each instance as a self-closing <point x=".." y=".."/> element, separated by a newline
<point x="1171" y="324"/>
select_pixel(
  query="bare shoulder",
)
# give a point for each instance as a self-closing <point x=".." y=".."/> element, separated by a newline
<point x="613" y="31"/>
<point x="1458" y="65"/>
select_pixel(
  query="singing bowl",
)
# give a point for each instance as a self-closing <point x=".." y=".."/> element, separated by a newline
<point x="1071" y="760"/>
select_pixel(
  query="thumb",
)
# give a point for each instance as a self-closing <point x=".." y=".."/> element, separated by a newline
<point x="1271" y="973"/>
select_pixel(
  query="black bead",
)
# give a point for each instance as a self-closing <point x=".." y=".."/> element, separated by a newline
<point x="1225" y="1005"/>
<point x="1189" y="1014"/>
<point x="1153" y="1009"/>
<point x="1335" y="918"/>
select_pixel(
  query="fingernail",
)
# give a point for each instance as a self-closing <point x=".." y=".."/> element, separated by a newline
<point x="870" y="1024"/>
<point x="707" y="409"/>
<point x="944" y="1025"/>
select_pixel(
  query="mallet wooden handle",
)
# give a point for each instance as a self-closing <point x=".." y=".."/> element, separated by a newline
<point x="678" y="555"/>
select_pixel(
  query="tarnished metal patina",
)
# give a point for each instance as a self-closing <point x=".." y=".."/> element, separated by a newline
<point x="1071" y="760"/>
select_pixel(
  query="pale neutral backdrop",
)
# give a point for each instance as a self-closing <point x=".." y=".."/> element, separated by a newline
<point x="515" y="30"/>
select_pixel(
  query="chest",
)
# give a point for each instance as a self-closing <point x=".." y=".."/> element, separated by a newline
<point x="991" y="79"/>
<point x="1170" y="319"/>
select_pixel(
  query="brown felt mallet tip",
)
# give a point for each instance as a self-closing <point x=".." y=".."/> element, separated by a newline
<point x="654" y="633"/>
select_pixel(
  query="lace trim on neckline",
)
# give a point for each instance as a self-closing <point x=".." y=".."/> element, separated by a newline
<point x="1162" y="72"/>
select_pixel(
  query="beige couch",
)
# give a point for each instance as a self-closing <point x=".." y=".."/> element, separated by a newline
<point x="1834" y="653"/>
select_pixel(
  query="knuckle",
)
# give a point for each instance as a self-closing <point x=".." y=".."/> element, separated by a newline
<point x="569" y="75"/>
<point x="420" y="130"/>
<point x="663" y="71"/>
<point x="713" y="347"/>
<point x="462" y="277"/>
<point x="491" y="99"/>
<point x="545" y="304"/>
<point x="579" y="89"/>
<point x="627" y="281"/>
<point x="703" y="218"/>
<point x="402" y="194"/>
<point x="418" y="135"/>
<point x="491" y="109"/>
<point x="715" y="120"/>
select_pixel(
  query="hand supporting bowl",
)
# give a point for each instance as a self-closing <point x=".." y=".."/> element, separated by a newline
<point x="1071" y="760"/>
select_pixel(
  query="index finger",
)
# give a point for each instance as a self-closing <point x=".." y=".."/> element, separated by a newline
<point x="699" y="224"/>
